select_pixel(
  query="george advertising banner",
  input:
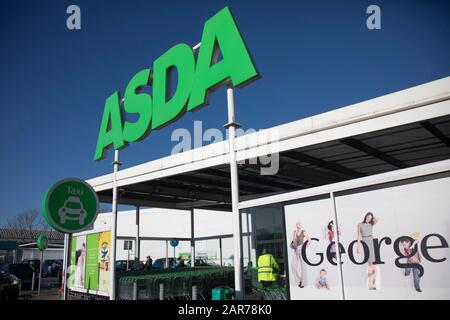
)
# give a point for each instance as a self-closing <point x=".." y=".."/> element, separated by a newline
<point x="311" y="275"/>
<point x="104" y="242"/>
<point x="397" y="241"/>
<point x="92" y="266"/>
<point x="90" y="262"/>
<point x="394" y="243"/>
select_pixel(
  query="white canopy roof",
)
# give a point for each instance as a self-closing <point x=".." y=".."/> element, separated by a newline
<point x="398" y="130"/>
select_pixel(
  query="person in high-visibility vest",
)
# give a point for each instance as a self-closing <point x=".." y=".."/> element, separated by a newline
<point x="267" y="269"/>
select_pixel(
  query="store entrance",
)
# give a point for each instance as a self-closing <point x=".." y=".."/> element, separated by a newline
<point x="268" y="237"/>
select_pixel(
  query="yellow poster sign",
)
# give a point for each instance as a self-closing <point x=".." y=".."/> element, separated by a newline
<point x="104" y="247"/>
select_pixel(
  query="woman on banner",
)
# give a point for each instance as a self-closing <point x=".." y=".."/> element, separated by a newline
<point x="365" y="234"/>
<point x="79" y="263"/>
<point x="331" y="236"/>
<point x="299" y="238"/>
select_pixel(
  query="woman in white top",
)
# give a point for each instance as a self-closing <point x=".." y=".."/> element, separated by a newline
<point x="365" y="234"/>
<point x="299" y="238"/>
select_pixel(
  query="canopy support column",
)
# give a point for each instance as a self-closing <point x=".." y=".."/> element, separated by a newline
<point x="248" y="240"/>
<point x="112" y="256"/>
<point x="166" y="263"/>
<point x="137" y="255"/>
<point x="220" y="252"/>
<point x="192" y="239"/>
<point x="237" y="223"/>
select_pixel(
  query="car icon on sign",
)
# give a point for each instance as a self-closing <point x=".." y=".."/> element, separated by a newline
<point x="72" y="210"/>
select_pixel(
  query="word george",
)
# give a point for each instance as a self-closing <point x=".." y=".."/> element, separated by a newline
<point x="196" y="77"/>
<point x="424" y="248"/>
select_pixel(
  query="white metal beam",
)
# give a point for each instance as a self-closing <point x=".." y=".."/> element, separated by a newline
<point x="391" y="176"/>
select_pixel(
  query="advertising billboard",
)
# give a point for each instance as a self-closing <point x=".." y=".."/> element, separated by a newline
<point x="90" y="262"/>
<point x="91" y="281"/>
<point x="104" y="245"/>
<point x="311" y="276"/>
<point x="394" y="243"/>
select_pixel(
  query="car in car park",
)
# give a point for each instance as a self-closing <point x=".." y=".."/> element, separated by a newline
<point x="121" y="265"/>
<point x="159" y="264"/>
<point x="24" y="272"/>
<point x="180" y="263"/>
<point x="9" y="286"/>
<point x="34" y="263"/>
<point x="199" y="262"/>
<point x="51" y="268"/>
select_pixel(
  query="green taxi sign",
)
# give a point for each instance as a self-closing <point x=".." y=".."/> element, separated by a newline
<point x="42" y="242"/>
<point x="70" y="205"/>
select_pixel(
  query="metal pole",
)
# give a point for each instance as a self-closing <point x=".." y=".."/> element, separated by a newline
<point x="337" y="244"/>
<point x="40" y="272"/>
<point x="161" y="291"/>
<point x="248" y="240"/>
<point x="237" y="223"/>
<point x="137" y="256"/>
<point x="128" y="253"/>
<point x="33" y="277"/>
<point x="220" y="251"/>
<point x="65" y="264"/>
<point x="135" y="291"/>
<point x="112" y="263"/>
<point x="192" y="240"/>
<point x="194" y="293"/>
<point x="167" y="255"/>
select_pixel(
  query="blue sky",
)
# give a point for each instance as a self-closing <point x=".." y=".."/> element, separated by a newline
<point x="313" y="56"/>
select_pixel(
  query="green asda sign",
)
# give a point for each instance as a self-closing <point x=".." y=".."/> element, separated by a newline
<point x="197" y="74"/>
<point x="70" y="205"/>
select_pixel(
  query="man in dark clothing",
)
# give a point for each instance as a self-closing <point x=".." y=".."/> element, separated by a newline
<point x="148" y="263"/>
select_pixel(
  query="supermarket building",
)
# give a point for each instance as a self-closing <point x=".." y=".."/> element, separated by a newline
<point x="389" y="156"/>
